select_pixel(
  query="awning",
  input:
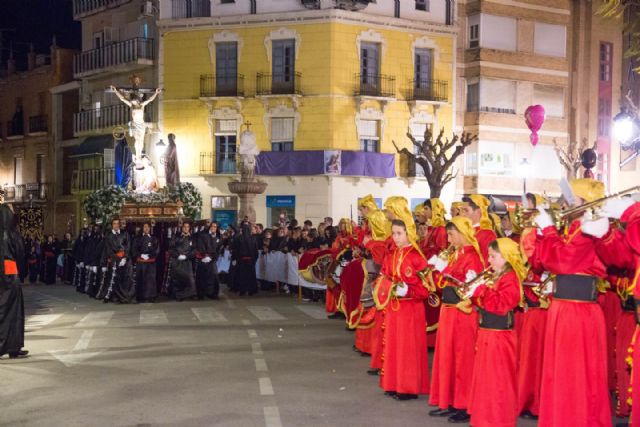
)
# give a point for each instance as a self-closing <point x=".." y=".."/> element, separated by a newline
<point x="93" y="146"/>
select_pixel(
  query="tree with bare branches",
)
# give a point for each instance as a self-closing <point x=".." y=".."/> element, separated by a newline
<point x="437" y="157"/>
<point x="570" y="156"/>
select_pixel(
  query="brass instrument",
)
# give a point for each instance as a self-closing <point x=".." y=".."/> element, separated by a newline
<point x="564" y="215"/>
<point x="425" y="274"/>
<point x="485" y="275"/>
<point x="539" y="288"/>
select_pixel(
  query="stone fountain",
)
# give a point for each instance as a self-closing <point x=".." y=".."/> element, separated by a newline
<point x="248" y="186"/>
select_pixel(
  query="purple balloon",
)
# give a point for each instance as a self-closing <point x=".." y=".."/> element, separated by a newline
<point x="534" y="117"/>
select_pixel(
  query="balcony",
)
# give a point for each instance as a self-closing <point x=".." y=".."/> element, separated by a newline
<point x="181" y="9"/>
<point x="82" y="8"/>
<point x="212" y="86"/>
<point x="375" y="85"/>
<point x="106" y="118"/>
<point x="278" y="84"/>
<point x="38" y="124"/>
<point x="87" y="180"/>
<point x="127" y="55"/>
<point x="14" y="128"/>
<point x="209" y="165"/>
<point x="31" y="192"/>
<point x="429" y="91"/>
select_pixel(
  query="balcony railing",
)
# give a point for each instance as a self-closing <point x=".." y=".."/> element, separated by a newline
<point x="217" y="86"/>
<point x="38" y="123"/>
<point x="429" y="90"/>
<point x="278" y="84"/>
<point x="378" y="85"/>
<point x="15" y="128"/>
<point x="106" y="118"/>
<point x="112" y="55"/>
<point x="500" y="110"/>
<point x="91" y="179"/>
<point x="181" y="9"/>
<point x="88" y="7"/>
<point x="35" y="191"/>
<point x="212" y="165"/>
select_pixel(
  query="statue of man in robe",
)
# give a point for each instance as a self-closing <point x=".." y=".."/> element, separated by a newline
<point x="170" y="160"/>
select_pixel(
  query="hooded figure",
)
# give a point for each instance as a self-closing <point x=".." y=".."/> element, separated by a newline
<point x="245" y="254"/>
<point x="11" y="301"/>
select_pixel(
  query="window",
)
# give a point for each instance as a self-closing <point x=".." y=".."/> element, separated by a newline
<point x="604" y="117"/>
<point x="552" y="97"/>
<point x="422" y="5"/>
<point x="449" y="12"/>
<point x="226" y="146"/>
<point x="474" y="35"/>
<point x="498" y="96"/>
<point x="396" y="8"/>
<point x="252" y="7"/>
<point x="283" y="65"/>
<point x="473" y="97"/>
<point x="498" y="32"/>
<point x="605" y="62"/>
<point x="282" y="134"/>
<point x="496" y="158"/>
<point x="369" y="66"/>
<point x="226" y="69"/>
<point x="550" y="39"/>
<point x="417" y="131"/>
<point x="369" y="136"/>
<point x="423" y="69"/>
<point x="227" y="1"/>
<point x="40" y="168"/>
<point x="17" y="170"/>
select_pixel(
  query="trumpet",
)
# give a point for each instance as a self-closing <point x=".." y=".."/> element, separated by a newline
<point x="539" y="288"/>
<point x="425" y="274"/>
<point x="462" y="289"/>
<point x="566" y="214"/>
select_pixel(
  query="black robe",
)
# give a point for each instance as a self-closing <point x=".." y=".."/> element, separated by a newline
<point x="120" y="287"/>
<point x="50" y="252"/>
<point x="93" y="263"/>
<point x="145" y="270"/>
<point x="11" y="300"/>
<point x="181" y="278"/>
<point x="245" y="253"/>
<point x="207" y="284"/>
<point x="78" y="253"/>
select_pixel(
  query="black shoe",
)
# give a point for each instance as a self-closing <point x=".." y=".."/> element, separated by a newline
<point x="336" y="315"/>
<point x="442" y="412"/>
<point x="390" y="393"/>
<point x="528" y="415"/>
<point x="20" y="354"/>
<point x="105" y="300"/>
<point x="355" y="349"/>
<point x="364" y="354"/>
<point x="373" y="372"/>
<point x="405" y="396"/>
<point x="459" y="417"/>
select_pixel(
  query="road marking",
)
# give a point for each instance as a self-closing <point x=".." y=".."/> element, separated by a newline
<point x="261" y="365"/>
<point x="95" y="318"/>
<point x="70" y="359"/>
<point x="252" y="333"/>
<point x="266" y="389"/>
<point x="153" y="317"/>
<point x="209" y="315"/>
<point x="83" y="342"/>
<point x="246" y="322"/>
<point x="262" y="312"/>
<point x="313" y="311"/>
<point x="230" y="304"/>
<point x="256" y="348"/>
<point x="272" y="416"/>
<point x="38" y="321"/>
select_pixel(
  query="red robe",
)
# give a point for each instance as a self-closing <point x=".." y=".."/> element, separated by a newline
<point x="405" y="367"/>
<point x="484" y="237"/>
<point x="435" y="242"/>
<point x="453" y="358"/>
<point x="342" y="243"/>
<point x="493" y="398"/>
<point x="574" y="380"/>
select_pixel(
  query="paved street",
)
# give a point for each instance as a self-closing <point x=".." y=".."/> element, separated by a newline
<point x="260" y="361"/>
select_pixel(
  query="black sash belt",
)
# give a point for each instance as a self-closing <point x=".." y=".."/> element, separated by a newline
<point x="496" y="321"/>
<point x="531" y="303"/>
<point x="575" y="287"/>
<point x="449" y="295"/>
<point x="629" y="304"/>
<point x="638" y="311"/>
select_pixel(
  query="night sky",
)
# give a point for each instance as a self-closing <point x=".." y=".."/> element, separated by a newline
<point x="37" y="21"/>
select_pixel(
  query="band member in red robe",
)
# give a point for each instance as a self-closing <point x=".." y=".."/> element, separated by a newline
<point x="475" y="208"/>
<point x="342" y="251"/>
<point x="493" y="399"/>
<point x="405" y="368"/>
<point x="574" y="382"/>
<point x="453" y="359"/>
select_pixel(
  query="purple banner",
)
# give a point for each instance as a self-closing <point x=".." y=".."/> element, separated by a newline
<point x="349" y="163"/>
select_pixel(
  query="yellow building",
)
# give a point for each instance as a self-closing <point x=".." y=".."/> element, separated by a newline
<point x="315" y="81"/>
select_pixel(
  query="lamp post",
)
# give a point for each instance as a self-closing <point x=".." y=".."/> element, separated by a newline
<point x="525" y="171"/>
<point x="626" y="129"/>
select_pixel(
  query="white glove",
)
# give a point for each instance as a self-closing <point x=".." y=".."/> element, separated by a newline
<point x="596" y="228"/>
<point x="614" y="208"/>
<point x="402" y="289"/>
<point x="544" y="276"/>
<point x="144" y="257"/>
<point x="182" y="257"/>
<point x="104" y="269"/>
<point x="233" y="262"/>
<point x="122" y="262"/>
<point x="81" y="264"/>
<point x="472" y="289"/>
<point x="543" y="219"/>
<point x="548" y="288"/>
<point x="206" y="260"/>
<point x="470" y="276"/>
<point x="94" y="269"/>
<point x="438" y="263"/>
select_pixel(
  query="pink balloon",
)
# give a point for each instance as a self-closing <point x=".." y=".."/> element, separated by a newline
<point x="534" y="117"/>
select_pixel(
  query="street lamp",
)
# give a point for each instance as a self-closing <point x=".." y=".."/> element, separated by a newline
<point x="625" y="130"/>
<point x="525" y="169"/>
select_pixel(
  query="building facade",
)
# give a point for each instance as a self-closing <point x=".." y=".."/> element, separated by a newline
<point x="27" y="143"/>
<point x="325" y="86"/>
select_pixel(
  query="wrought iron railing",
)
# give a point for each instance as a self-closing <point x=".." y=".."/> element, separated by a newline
<point x="379" y="85"/>
<point x="114" y="54"/>
<point x="210" y="164"/>
<point x="106" y="118"/>
<point x="38" y="123"/>
<point x="91" y="179"/>
<point x="429" y="90"/>
<point x="215" y="86"/>
<point x="181" y="9"/>
<point x="87" y="7"/>
<point x="278" y="84"/>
